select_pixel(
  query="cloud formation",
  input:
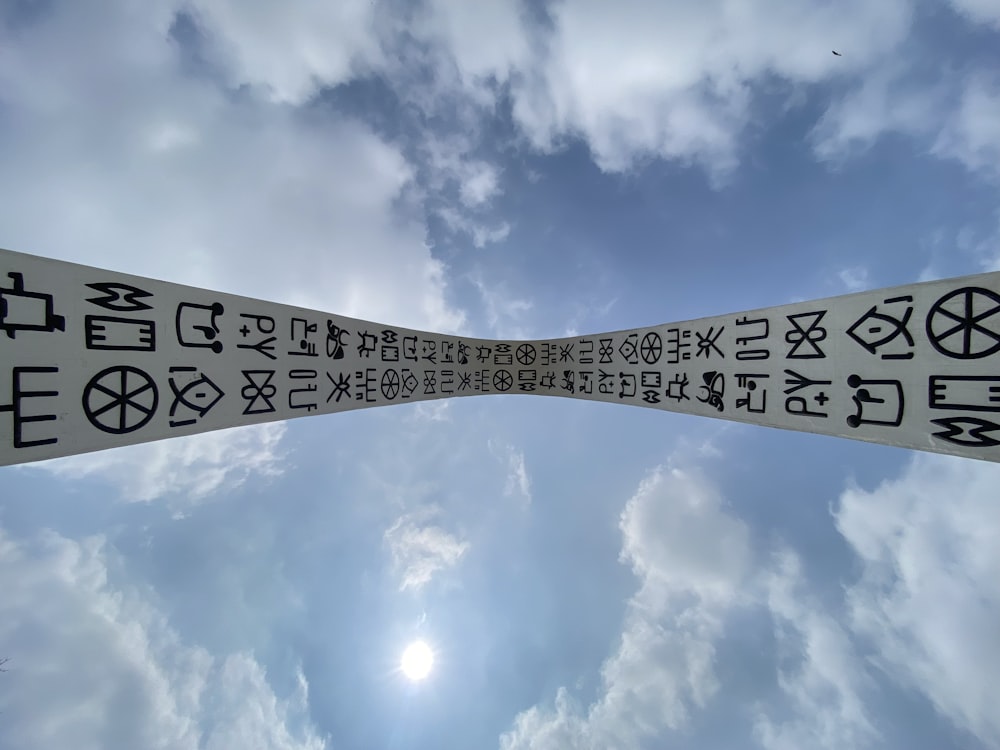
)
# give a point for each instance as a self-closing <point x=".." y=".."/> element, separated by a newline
<point x="420" y="550"/>
<point x="184" y="470"/>
<point x="690" y="557"/>
<point x="96" y="665"/>
<point x="929" y="596"/>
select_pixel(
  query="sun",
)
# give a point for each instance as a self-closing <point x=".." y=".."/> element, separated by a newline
<point x="417" y="661"/>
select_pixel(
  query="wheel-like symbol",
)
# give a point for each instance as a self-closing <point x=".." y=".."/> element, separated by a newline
<point x="120" y="399"/>
<point x="390" y="384"/>
<point x="651" y="348"/>
<point x="965" y="324"/>
<point x="526" y="354"/>
<point x="503" y="380"/>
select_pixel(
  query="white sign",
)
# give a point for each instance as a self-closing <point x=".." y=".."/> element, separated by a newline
<point x="91" y="359"/>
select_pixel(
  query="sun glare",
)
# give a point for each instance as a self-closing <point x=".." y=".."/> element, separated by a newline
<point x="417" y="661"/>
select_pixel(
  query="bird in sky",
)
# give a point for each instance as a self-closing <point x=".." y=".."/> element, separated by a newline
<point x="836" y="53"/>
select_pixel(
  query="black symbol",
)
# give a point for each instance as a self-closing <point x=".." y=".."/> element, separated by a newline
<point x="341" y="386"/>
<point x="752" y="354"/>
<point x="264" y="325"/>
<point x="526" y="354"/>
<point x="447" y="381"/>
<point x="884" y="397"/>
<point x="119" y="297"/>
<point x="550" y="353"/>
<point x="200" y="322"/>
<point x="120" y="399"/>
<point x="301" y="330"/>
<point x="526" y="380"/>
<point x="955" y="324"/>
<point x="569" y="381"/>
<point x="875" y="329"/>
<point x="749" y="382"/>
<point x="258" y="391"/>
<point x="798" y="405"/>
<point x="195" y="394"/>
<point x="605" y="382"/>
<point x="447" y="347"/>
<point x="810" y="336"/>
<point x="27" y="311"/>
<point x="390" y="384"/>
<point x="364" y="384"/>
<point x="307" y="402"/>
<point x="548" y="380"/>
<point x="367" y="345"/>
<point x="390" y="350"/>
<point x="651" y="397"/>
<point x="429" y="351"/>
<point x="410" y="382"/>
<point x="967" y="392"/>
<point x="585" y="384"/>
<point x="626" y="384"/>
<point x="119" y="334"/>
<point x="16" y="406"/>
<point x="675" y="388"/>
<point x="651" y="378"/>
<point x="463" y="353"/>
<point x="628" y="350"/>
<point x="565" y="352"/>
<point x="410" y="348"/>
<point x="482" y="381"/>
<point x="606" y="351"/>
<point x="483" y="353"/>
<point x="464" y="381"/>
<point x="678" y="345"/>
<point x="706" y="342"/>
<point x="503" y="380"/>
<point x="335" y="340"/>
<point x="714" y="388"/>
<point x="586" y="351"/>
<point x="970" y="431"/>
<point x="651" y="348"/>
<point x="430" y="381"/>
<point x="502" y="356"/>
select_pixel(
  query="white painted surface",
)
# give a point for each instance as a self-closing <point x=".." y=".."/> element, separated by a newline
<point x="86" y="365"/>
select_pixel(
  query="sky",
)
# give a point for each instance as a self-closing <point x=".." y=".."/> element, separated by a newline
<point x="587" y="575"/>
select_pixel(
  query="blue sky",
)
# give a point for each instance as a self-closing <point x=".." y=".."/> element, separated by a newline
<point x="588" y="576"/>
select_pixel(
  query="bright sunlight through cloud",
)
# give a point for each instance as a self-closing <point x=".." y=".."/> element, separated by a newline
<point x="417" y="661"/>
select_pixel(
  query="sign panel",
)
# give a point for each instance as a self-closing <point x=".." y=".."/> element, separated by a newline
<point x="92" y="359"/>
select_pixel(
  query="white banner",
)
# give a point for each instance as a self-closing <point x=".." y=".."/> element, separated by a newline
<point x="92" y="359"/>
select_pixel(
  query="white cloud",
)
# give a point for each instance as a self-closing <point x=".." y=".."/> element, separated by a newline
<point x="980" y="11"/>
<point x="94" y="665"/>
<point x="480" y="183"/>
<point x="971" y="134"/>
<point x="929" y="593"/>
<point x="420" y="550"/>
<point x="185" y="470"/>
<point x="690" y="557"/>
<point x="954" y="116"/>
<point x="159" y="171"/>
<point x="517" y="483"/>
<point x="825" y="688"/>
<point x="486" y="39"/>
<point x="505" y="310"/>
<point x="648" y="79"/>
<point x="884" y="101"/>
<point x="481" y="232"/>
<point x="290" y="50"/>
<point x="679" y="537"/>
<point x="854" y="279"/>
